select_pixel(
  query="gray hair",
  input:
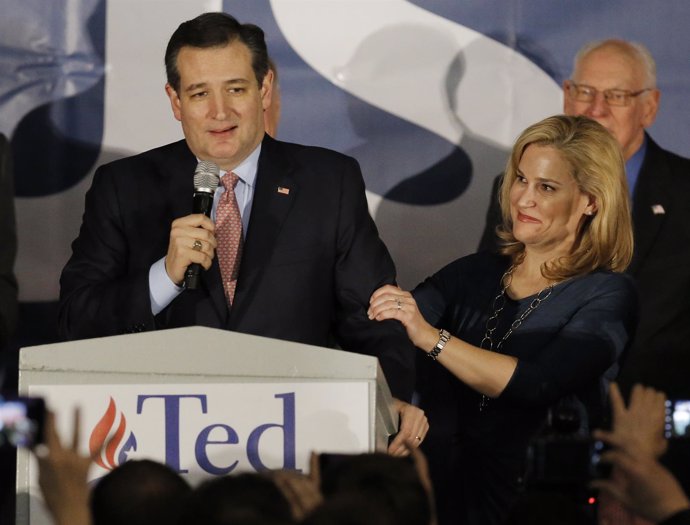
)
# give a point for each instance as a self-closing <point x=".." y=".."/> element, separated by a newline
<point x="634" y="50"/>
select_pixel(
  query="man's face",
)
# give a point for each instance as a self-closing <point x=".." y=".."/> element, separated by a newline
<point x="219" y="104"/>
<point x="609" y="68"/>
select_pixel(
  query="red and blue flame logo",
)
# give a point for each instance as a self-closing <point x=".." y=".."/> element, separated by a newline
<point x="107" y="444"/>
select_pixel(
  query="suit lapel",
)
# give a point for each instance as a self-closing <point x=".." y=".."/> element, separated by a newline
<point x="650" y="204"/>
<point x="178" y="170"/>
<point x="212" y="282"/>
<point x="274" y="195"/>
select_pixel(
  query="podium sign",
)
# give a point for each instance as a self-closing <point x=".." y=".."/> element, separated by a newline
<point x="206" y="402"/>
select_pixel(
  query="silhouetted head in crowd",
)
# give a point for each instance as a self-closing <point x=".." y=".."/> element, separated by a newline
<point x="553" y="506"/>
<point x="381" y="478"/>
<point x="242" y="499"/>
<point x="139" y="493"/>
<point x="352" y="509"/>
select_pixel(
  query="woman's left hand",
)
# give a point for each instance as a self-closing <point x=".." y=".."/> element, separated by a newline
<point x="413" y="429"/>
<point x="390" y="302"/>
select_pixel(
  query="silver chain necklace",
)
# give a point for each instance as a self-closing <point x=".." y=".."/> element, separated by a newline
<point x="492" y="322"/>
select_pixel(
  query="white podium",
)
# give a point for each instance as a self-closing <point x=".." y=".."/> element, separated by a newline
<point x="206" y="402"/>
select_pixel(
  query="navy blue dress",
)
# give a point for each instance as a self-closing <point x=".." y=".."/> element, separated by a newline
<point x="567" y="347"/>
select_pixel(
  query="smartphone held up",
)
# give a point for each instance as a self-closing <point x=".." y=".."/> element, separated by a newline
<point x="22" y="421"/>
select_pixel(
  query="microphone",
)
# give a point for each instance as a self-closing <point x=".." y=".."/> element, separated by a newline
<point x="206" y="179"/>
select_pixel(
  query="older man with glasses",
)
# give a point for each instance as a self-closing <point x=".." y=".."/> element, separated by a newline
<point x="614" y="83"/>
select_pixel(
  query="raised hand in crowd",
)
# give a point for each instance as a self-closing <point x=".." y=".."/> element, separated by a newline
<point x="62" y="475"/>
<point x="413" y="428"/>
<point x="644" y="486"/>
<point x="638" y="480"/>
<point x="639" y="427"/>
<point x="302" y="491"/>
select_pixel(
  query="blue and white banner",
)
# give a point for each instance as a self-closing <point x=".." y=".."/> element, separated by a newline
<point x="427" y="95"/>
<point x="202" y="430"/>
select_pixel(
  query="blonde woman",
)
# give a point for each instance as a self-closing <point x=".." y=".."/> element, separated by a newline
<point x="510" y="335"/>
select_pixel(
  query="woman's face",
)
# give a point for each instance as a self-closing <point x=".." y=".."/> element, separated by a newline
<point x="546" y="204"/>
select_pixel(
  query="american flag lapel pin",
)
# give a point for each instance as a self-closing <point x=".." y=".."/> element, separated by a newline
<point x="658" y="209"/>
<point x="283" y="190"/>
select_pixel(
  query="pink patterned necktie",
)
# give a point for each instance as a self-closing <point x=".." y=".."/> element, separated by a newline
<point x="229" y="235"/>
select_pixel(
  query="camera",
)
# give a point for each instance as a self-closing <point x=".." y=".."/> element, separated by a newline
<point x="22" y="421"/>
<point x="561" y="455"/>
<point x="562" y="460"/>
<point x="565" y="461"/>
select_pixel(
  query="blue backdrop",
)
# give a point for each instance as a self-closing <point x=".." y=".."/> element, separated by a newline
<point x="426" y="95"/>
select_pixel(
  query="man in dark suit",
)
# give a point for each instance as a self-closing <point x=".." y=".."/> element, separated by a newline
<point x="8" y="314"/>
<point x="8" y="246"/>
<point x="310" y="256"/>
<point x="614" y="83"/>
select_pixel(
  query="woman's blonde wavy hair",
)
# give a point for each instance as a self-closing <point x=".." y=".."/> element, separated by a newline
<point x="604" y="239"/>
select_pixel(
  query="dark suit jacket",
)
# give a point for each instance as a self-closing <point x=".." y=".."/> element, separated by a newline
<point x="660" y="354"/>
<point x="8" y="245"/>
<point x="311" y="258"/>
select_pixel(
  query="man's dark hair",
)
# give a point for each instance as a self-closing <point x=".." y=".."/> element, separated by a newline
<point x="139" y="493"/>
<point x="352" y="509"/>
<point x="238" y="499"/>
<point x="215" y="30"/>
<point x="385" y="479"/>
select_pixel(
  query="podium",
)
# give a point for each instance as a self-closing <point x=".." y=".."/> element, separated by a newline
<point x="206" y="402"/>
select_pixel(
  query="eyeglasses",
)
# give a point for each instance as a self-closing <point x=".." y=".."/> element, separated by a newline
<point x="613" y="97"/>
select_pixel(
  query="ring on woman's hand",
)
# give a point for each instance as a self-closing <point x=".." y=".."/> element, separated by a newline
<point x="397" y="301"/>
<point x="418" y="438"/>
<point x="197" y="245"/>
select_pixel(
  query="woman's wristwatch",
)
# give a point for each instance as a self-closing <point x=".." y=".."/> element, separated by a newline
<point x="443" y="338"/>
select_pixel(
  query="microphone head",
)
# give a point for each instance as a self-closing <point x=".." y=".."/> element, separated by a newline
<point x="206" y="177"/>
